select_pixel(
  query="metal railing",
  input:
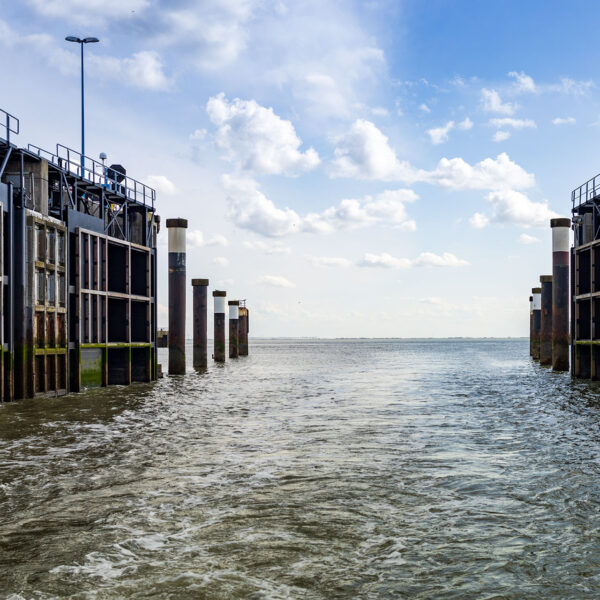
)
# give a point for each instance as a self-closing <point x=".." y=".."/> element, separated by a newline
<point x="84" y="167"/>
<point x="586" y="191"/>
<point x="41" y="153"/>
<point x="8" y="124"/>
<point x="99" y="174"/>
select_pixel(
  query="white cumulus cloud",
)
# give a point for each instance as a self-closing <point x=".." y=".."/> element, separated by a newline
<point x="479" y="220"/>
<point x="387" y="207"/>
<point x="210" y="34"/>
<point x="276" y="281"/>
<point x="250" y="209"/>
<point x="492" y="102"/>
<point x="162" y="184"/>
<point x="217" y="240"/>
<point x="571" y="87"/>
<point x="198" y="135"/>
<point x="563" y="121"/>
<point x="328" y="261"/>
<point x="528" y="239"/>
<point x="196" y="238"/>
<point x="439" y="135"/>
<point x="221" y="261"/>
<point x="465" y="124"/>
<point x="515" y="208"/>
<point x="429" y="259"/>
<point x="380" y="111"/>
<point x="523" y="82"/>
<point x="143" y="69"/>
<point x="425" y="259"/>
<point x="385" y="261"/>
<point x="364" y="153"/>
<point x="514" y="123"/>
<point x="268" y="247"/>
<point x="501" y="136"/>
<point x="330" y="73"/>
<point x="488" y="174"/>
<point x="256" y="139"/>
<point x="89" y="12"/>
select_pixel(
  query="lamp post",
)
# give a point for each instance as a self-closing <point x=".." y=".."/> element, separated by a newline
<point x="82" y="42"/>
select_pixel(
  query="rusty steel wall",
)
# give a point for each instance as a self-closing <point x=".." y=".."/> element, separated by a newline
<point x="243" y="332"/>
<point x="530" y="325"/>
<point x="219" y="326"/>
<point x="233" y="328"/>
<point x="177" y="290"/>
<point x="560" y="293"/>
<point x="537" y="321"/>
<point x="200" y="323"/>
<point x="546" y="321"/>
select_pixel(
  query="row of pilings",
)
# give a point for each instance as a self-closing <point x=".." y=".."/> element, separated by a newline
<point x="549" y="305"/>
<point x="238" y="315"/>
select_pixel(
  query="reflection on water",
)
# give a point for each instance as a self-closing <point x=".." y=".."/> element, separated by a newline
<point x="366" y="469"/>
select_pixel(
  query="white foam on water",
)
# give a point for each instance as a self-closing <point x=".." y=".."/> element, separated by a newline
<point x="151" y="542"/>
<point x="101" y="565"/>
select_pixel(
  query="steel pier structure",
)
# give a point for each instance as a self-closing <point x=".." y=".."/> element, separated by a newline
<point x="585" y="281"/>
<point x="78" y="267"/>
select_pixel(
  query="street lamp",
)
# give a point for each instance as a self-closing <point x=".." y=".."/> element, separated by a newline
<point x="81" y="42"/>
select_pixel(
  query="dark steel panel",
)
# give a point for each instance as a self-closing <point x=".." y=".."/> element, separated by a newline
<point x="200" y="325"/>
<point x="560" y="311"/>
<point x="177" y="280"/>
<point x="537" y="324"/>
<point x="546" y="321"/>
<point x="233" y="338"/>
<point x="219" y="343"/>
<point x="243" y="333"/>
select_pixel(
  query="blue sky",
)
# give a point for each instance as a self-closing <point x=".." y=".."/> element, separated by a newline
<point x="369" y="168"/>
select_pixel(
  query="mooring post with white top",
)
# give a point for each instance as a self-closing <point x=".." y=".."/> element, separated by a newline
<point x="219" y="343"/>
<point x="177" y="289"/>
<point x="537" y="321"/>
<point x="530" y="325"/>
<point x="560" y="293"/>
<point x="234" y="309"/>
<point x="546" y="321"/>
<point x="200" y="323"/>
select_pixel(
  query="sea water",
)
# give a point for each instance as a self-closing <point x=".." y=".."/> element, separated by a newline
<point x="314" y="470"/>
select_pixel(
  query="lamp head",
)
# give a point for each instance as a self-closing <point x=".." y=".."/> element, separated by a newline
<point x="90" y="40"/>
<point x="73" y="38"/>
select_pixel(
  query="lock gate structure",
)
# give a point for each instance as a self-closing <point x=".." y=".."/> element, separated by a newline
<point x="78" y="271"/>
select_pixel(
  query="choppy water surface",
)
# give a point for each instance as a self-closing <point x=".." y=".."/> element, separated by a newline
<point x="366" y="469"/>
